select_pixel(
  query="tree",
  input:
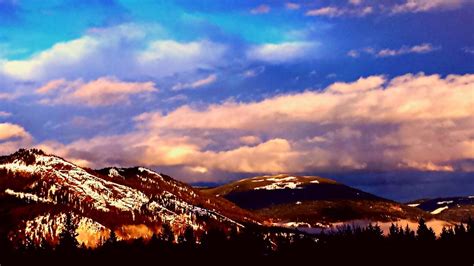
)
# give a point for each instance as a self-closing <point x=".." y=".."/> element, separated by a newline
<point x="112" y="238"/>
<point x="167" y="234"/>
<point x="424" y="233"/>
<point x="67" y="238"/>
<point x="447" y="233"/>
<point x="395" y="232"/>
<point x="408" y="234"/>
<point x="188" y="236"/>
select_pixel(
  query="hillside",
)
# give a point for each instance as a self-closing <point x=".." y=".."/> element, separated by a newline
<point x="456" y="209"/>
<point x="311" y="201"/>
<point x="37" y="189"/>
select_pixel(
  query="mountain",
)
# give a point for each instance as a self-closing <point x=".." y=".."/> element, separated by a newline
<point x="37" y="190"/>
<point x="456" y="209"/>
<point x="311" y="201"/>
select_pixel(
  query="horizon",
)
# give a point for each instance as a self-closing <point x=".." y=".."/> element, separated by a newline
<point x="378" y="95"/>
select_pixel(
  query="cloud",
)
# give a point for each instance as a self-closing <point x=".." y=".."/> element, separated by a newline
<point x="61" y="54"/>
<point x="355" y="2"/>
<point x="423" y="48"/>
<point x="253" y="72"/>
<point x="353" y="53"/>
<point x="5" y="114"/>
<point x="101" y="92"/>
<point x="282" y="52"/>
<point x="421" y="122"/>
<point x="13" y="137"/>
<point x="261" y="9"/>
<point x="196" y="84"/>
<point x="7" y="96"/>
<point x="417" y="49"/>
<point x="8" y="131"/>
<point x="362" y="84"/>
<point x="416" y="6"/>
<point x="328" y="11"/>
<point x="469" y="50"/>
<point x="126" y="51"/>
<point x="250" y="140"/>
<point x="292" y="6"/>
<point x="332" y="11"/>
<point x="167" y="57"/>
<point x="359" y="8"/>
<point x="428" y="166"/>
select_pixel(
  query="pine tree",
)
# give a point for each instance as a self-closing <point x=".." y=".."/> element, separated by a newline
<point x="408" y="234"/>
<point x="394" y="232"/>
<point x="167" y="234"/>
<point x="112" y="238"/>
<point x="424" y="233"/>
<point x="189" y="238"/>
<point x="67" y="238"/>
<point x="447" y="233"/>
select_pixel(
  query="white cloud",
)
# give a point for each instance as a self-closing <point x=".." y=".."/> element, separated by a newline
<point x="333" y="11"/>
<point x="423" y="48"/>
<point x="167" y="57"/>
<point x="417" y="49"/>
<point x="282" y="52"/>
<point x="61" y="54"/>
<point x="124" y="51"/>
<point x="328" y="11"/>
<point x="359" y="8"/>
<point x="416" y="6"/>
<point x="196" y="84"/>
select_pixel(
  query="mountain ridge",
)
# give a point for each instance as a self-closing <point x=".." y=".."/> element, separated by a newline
<point x="311" y="200"/>
<point x="38" y="189"/>
<point x="51" y="186"/>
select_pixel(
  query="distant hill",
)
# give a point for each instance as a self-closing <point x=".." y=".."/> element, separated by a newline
<point x="311" y="201"/>
<point x="456" y="209"/>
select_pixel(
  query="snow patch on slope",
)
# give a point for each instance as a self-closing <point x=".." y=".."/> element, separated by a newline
<point x="50" y="226"/>
<point x="439" y="210"/>
<point x="104" y="194"/>
<point x="444" y="202"/>
<point x="280" y="185"/>
<point x="27" y="196"/>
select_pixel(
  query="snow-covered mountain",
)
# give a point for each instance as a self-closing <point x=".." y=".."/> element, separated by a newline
<point x="37" y="189"/>
<point x="311" y="201"/>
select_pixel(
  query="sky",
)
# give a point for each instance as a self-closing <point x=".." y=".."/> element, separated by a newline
<point x="376" y="94"/>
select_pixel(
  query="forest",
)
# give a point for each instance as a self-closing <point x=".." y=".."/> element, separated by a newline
<point x="348" y="245"/>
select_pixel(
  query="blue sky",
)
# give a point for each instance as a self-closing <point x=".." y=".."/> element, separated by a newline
<point x="214" y="90"/>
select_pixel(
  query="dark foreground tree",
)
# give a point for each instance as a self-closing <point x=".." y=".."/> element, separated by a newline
<point x="67" y="238"/>
<point x="424" y="233"/>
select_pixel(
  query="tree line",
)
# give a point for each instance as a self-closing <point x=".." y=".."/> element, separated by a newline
<point x="347" y="245"/>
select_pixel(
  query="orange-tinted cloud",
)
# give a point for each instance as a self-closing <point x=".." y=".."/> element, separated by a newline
<point x="421" y="122"/>
<point x="101" y="92"/>
<point x="12" y="137"/>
